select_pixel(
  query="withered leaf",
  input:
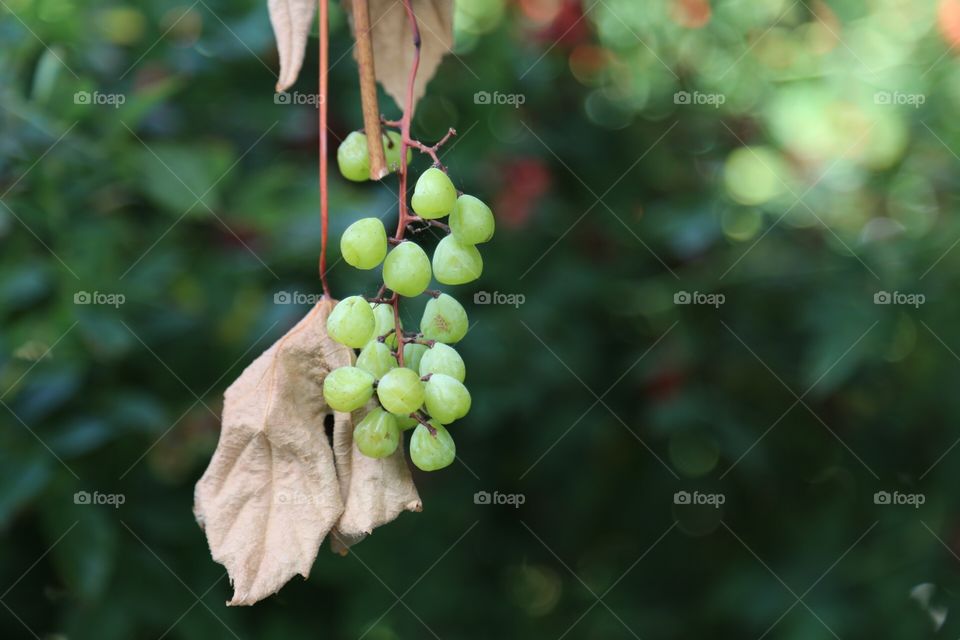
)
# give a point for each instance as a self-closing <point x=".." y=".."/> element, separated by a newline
<point x="291" y="21"/>
<point x="375" y="491"/>
<point x="271" y="493"/>
<point x="393" y="43"/>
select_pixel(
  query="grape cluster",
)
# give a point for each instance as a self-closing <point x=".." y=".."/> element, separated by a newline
<point x="427" y="392"/>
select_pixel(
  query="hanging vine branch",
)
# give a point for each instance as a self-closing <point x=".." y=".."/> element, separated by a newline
<point x="324" y="135"/>
<point x="368" y="88"/>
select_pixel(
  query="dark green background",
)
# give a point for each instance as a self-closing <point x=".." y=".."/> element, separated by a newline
<point x="798" y="199"/>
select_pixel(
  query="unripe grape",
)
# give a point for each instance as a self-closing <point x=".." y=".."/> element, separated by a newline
<point x="378" y="434"/>
<point x="376" y="359"/>
<point x="384" y="322"/>
<point x="364" y="243"/>
<point x="444" y="320"/>
<point x="347" y="388"/>
<point x="434" y="195"/>
<point x="444" y="359"/>
<point x="391" y="150"/>
<point x="455" y="263"/>
<point x="351" y="322"/>
<point x="400" y="391"/>
<point x="407" y="269"/>
<point x="471" y="221"/>
<point x="412" y="353"/>
<point x="405" y="422"/>
<point x="431" y="452"/>
<point x="446" y="398"/>
<point x="353" y="157"/>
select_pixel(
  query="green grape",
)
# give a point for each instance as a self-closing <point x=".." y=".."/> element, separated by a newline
<point x="377" y="435"/>
<point x="471" y="221"/>
<point x="347" y="388"/>
<point x="446" y="398"/>
<point x="444" y="320"/>
<point x="400" y="391"/>
<point x="407" y="269"/>
<point x="353" y="157"/>
<point x="431" y="452"/>
<point x="376" y="359"/>
<point x="412" y="353"/>
<point x="406" y="422"/>
<point x="391" y="150"/>
<point x="444" y="359"/>
<point x="434" y="195"/>
<point x="384" y="323"/>
<point x="351" y="322"/>
<point x="455" y="263"/>
<point x="364" y="244"/>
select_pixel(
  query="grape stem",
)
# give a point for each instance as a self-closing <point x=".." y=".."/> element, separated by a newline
<point x="423" y="148"/>
<point x="404" y="218"/>
<point x="405" y="142"/>
<point x="419" y="417"/>
<point x="324" y="156"/>
<point x="429" y="223"/>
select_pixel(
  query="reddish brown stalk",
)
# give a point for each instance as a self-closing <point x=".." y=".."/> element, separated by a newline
<point x="368" y="89"/>
<point x="419" y="417"/>
<point x="322" y="108"/>
<point x="405" y="142"/>
<point x="423" y="148"/>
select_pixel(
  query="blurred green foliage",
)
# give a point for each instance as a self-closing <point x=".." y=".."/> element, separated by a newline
<point x="796" y="158"/>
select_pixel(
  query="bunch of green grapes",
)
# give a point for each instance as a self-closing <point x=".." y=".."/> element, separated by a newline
<point x="427" y="392"/>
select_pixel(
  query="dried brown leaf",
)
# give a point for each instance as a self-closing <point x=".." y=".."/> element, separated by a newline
<point x="271" y="492"/>
<point x="291" y="21"/>
<point x="375" y="491"/>
<point x="393" y="43"/>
